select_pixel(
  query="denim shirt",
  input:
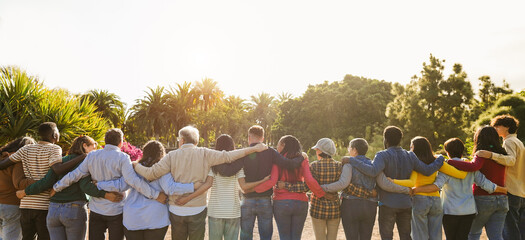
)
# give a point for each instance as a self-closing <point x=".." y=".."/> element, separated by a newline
<point x="396" y="163"/>
<point x="103" y="165"/>
<point x="141" y="213"/>
<point x="358" y="178"/>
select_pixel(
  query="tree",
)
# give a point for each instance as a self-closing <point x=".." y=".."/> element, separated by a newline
<point x="151" y="113"/>
<point x="509" y="104"/>
<point x="264" y="112"/>
<point x="432" y="106"/>
<point x="108" y="104"/>
<point x="489" y="92"/>
<point x="208" y="93"/>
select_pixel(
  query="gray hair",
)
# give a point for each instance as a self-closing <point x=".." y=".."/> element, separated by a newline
<point x="189" y="134"/>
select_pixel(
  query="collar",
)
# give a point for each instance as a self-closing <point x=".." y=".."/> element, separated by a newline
<point x="253" y="144"/>
<point x="511" y="135"/>
<point x="45" y="143"/>
<point x="111" y="147"/>
<point x="188" y="145"/>
<point x="394" y="148"/>
<point x="361" y="157"/>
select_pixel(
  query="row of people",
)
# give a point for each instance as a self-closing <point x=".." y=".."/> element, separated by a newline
<point x="186" y="174"/>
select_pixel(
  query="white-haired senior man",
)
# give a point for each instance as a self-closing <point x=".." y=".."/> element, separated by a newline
<point x="188" y="164"/>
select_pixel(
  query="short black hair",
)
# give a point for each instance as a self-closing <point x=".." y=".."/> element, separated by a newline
<point x="324" y="155"/>
<point x="46" y="130"/>
<point x="454" y="147"/>
<point x="360" y="144"/>
<point x="507" y="121"/>
<point x="114" y="136"/>
<point x="392" y="136"/>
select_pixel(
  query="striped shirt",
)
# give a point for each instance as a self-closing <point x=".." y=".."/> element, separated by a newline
<point x="224" y="196"/>
<point x="36" y="160"/>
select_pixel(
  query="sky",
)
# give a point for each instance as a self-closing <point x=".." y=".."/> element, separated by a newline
<point x="250" y="47"/>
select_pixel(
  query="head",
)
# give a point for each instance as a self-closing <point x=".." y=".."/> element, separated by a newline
<point x="223" y="143"/>
<point x="505" y="124"/>
<point x="421" y="147"/>
<point x="14" y="145"/>
<point x="487" y="138"/>
<point x="255" y="134"/>
<point x="289" y="146"/>
<point x="188" y="135"/>
<point x="324" y="148"/>
<point x="81" y="145"/>
<point x="358" y="146"/>
<point x="152" y="152"/>
<point x="392" y="136"/>
<point x="114" y="137"/>
<point x="48" y="132"/>
<point x="454" y="148"/>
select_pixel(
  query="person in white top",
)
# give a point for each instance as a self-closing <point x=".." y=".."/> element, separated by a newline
<point x="507" y="126"/>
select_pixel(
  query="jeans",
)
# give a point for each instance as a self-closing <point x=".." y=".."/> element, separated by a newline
<point x="427" y="214"/>
<point x="514" y="227"/>
<point x="260" y="208"/>
<point x="358" y="217"/>
<point x="10" y="222"/>
<point x="457" y="227"/>
<point x="67" y="221"/>
<point x="149" y="234"/>
<point x="98" y="224"/>
<point x="389" y="216"/>
<point x="188" y="227"/>
<point x="290" y="216"/>
<point x="224" y="227"/>
<point x="33" y="222"/>
<point x="492" y="211"/>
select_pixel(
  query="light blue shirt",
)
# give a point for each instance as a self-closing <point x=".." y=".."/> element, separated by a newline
<point x="456" y="194"/>
<point x="141" y="213"/>
<point x="104" y="165"/>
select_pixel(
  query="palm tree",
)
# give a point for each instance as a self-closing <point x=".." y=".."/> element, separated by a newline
<point x="181" y="102"/>
<point x="264" y="112"/>
<point x="151" y="113"/>
<point x="208" y="93"/>
<point x="108" y="104"/>
<point x="283" y="97"/>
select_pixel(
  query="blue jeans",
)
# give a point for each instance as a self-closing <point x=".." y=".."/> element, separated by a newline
<point x="358" y="217"/>
<point x="67" y="221"/>
<point x="389" y="216"/>
<point x="223" y="227"/>
<point x="515" y="222"/>
<point x="10" y="222"/>
<point x="492" y="211"/>
<point x="427" y="215"/>
<point x="290" y="216"/>
<point x="260" y="208"/>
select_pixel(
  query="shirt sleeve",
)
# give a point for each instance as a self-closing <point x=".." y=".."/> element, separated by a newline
<point x="342" y="183"/>
<point x="114" y="185"/>
<point x="441" y="180"/>
<point x="509" y="159"/>
<point x="484" y="183"/>
<point x="312" y="184"/>
<point x="19" y="155"/>
<point x="268" y="184"/>
<point x="284" y="162"/>
<point x="298" y="187"/>
<point x="472" y="166"/>
<point x="411" y="182"/>
<point x="452" y="171"/>
<point x="371" y="170"/>
<point x="215" y="157"/>
<point x="170" y="187"/>
<point x="389" y="186"/>
<point x="358" y="191"/>
<point x="230" y="169"/>
<point x="20" y="181"/>
<point x="74" y="176"/>
<point x="55" y="156"/>
<point x="43" y="184"/>
<point x="426" y="169"/>
<point x="240" y="174"/>
<point x="87" y="186"/>
<point x="158" y="169"/>
<point x="135" y="181"/>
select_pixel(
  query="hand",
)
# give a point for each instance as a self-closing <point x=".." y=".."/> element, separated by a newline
<point x="260" y="147"/>
<point x="501" y="190"/>
<point x="134" y="164"/>
<point x="413" y="191"/>
<point x="345" y="160"/>
<point x="52" y="193"/>
<point x="281" y="185"/>
<point x="181" y="201"/>
<point x="374" y="193"/>
<point x="390" y="179"/>
<point x="331" y="196"/>
<point x="197" y="185"/>
<point x="94" y="182"/>
<point x="114" y="196"/>
<point x="266" y="178"/>
<point x="21" y="193"/>
<point x="484" y="154"/>
<point x="305" y="156"/>
<point x="162" y="198"/>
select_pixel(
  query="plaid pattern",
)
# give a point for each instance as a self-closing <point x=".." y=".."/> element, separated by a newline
<point x="325" y="171"/>
<point x="357" y="191"/>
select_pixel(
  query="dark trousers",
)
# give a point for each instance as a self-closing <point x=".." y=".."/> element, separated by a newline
<point x="99" y="223"/>
<point x="33" y="222"/>
<point x="188" y="227"/>
<point x="457" y="227"/>
<point x="514" y="228"/>
<point x="149" y="234"/>
<point x="389" y="216"/>
<point x="358" y="217"/>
